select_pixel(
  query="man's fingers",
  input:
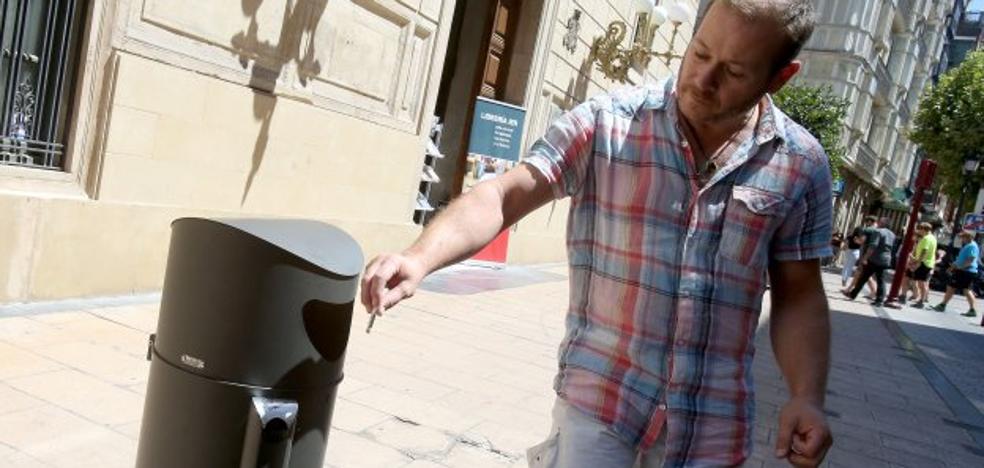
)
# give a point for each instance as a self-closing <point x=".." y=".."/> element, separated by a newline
<point x="811" y="444"/>
<point x="803" y="461"/>
<point x="377" y="284"/>
<point x="396" y="294"/>
<point x="785" y="436"/>
<point x="366" y="289"/>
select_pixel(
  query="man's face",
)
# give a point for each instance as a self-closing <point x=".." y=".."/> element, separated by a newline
<point x="728" y="66"/>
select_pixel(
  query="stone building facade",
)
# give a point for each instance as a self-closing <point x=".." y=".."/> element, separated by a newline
<point x="289" y="108"/>
<point x="879" y="55"/>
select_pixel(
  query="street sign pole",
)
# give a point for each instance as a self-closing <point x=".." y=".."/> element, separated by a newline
<point x="924" y="180"/>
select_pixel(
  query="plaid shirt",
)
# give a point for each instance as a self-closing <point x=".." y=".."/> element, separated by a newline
<point x="667" y="277"/>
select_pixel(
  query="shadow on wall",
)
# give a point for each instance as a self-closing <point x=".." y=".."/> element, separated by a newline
<point x="577" y="88"/>
<point x="295" y="44"/>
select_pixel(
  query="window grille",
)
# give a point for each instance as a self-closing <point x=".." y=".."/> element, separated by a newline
<point x="39" y="52"/>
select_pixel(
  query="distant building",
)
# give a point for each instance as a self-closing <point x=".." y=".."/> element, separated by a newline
<point x="879" y="55"/>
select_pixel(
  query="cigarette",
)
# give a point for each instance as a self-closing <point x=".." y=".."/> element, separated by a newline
<point x="372" y="319"/>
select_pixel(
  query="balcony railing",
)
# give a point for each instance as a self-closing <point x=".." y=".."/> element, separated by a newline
<point x="867" y="160"/>
<point x="883" y="80"/>
<point x="890" y="178"/>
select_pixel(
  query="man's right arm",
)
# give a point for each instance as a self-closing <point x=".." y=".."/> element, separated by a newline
<point x="461" y="230"/>
<point x="556" y="165"/>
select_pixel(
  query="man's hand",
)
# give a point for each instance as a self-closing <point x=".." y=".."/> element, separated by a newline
<point x="804" y="436"/>
<point x="389" y="279"/>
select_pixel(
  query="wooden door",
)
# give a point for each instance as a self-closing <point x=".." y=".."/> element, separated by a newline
<point x="505" y="16"/>
<point x="491" y="83"/>
<point x="492" y="72"/>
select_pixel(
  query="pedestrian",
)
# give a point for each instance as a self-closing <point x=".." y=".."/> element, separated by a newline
<point x="836" y="242"/>
<point x="868" y="223"/>
<point x="854" y="243"/>
<point x="963" y="273"/>
<point x="684" y="195"/>
<point x="920" y="265"/>
<point x="875" y="259"/>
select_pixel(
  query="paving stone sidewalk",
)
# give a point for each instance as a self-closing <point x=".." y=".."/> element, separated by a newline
<point x="459" y="376"/>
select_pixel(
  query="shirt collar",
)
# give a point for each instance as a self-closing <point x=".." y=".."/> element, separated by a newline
<point x="772" y="123"/>
<point x="656" y="97"/>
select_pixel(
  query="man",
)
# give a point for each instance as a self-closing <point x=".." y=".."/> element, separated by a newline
<point x="876" y="258"/>
<point x="921" y="264"/>
<point x="683" y="196"/>
<point x="850" y="274"/>
<point x="963" y="273"/>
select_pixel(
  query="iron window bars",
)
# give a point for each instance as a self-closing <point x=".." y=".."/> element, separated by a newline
<point x="39" y="52"/>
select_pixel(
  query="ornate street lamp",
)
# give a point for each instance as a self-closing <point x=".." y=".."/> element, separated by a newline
<point x="614" y="61"/>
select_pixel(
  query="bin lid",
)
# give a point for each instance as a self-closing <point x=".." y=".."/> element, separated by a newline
<point x="305" y="239"/>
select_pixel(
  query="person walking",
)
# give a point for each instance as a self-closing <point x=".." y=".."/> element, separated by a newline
<point x="836" y="244"/>
<point x="963" y="273"/>
<point x="854" y="243"/>
<point x="920" y="266"/>
<point x="685" y="195"/>
<point x="876" y="258"/>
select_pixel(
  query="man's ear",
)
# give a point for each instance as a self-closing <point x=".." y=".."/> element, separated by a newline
<point x="783" y="76"/>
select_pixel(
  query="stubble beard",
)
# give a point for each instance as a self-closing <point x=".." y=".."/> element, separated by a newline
<point x="716" y="118"/>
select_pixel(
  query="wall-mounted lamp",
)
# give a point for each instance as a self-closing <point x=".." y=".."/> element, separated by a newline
<point x="615" y="61"/>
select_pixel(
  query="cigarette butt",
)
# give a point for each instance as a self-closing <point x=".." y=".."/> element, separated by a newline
<point x="372" y="319"/>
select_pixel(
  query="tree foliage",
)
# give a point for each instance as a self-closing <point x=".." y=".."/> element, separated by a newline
<point x="822" y="113"/>
<point x="949" y="125"/>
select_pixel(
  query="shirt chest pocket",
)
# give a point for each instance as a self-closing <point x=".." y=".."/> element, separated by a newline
<point x="750" y="218"/>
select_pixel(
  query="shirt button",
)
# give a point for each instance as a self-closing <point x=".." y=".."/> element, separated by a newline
<point x="661" y="406"/>
<point x="680" y="342"/>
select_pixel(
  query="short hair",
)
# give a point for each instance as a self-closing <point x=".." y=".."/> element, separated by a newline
<point x="925" y="226"/>
<point x="797" y="18"/>
<point x="870" y="219"/>
<point x="966" y="233"/>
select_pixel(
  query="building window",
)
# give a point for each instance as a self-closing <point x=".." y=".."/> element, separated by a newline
<point x="39" y="52"/>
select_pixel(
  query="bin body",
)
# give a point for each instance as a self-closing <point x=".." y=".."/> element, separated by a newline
<point x="251" y="337"/>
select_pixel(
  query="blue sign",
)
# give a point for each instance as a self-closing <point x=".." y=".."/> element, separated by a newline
<point x="974" y="222"/>
<point x="496" y="130"/>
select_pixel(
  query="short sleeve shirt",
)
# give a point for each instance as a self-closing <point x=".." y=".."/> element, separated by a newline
<point x="969" y="251"/>
<point x="667" y="276"/>
<point x="926" y="250"/>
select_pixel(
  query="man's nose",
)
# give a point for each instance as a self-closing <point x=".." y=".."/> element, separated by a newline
<point x="706" y="80"/>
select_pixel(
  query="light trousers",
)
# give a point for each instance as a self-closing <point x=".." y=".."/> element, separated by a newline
<point x="579" y="441"/>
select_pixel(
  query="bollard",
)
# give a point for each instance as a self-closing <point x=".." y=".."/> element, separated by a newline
<point x="254" y="321"/>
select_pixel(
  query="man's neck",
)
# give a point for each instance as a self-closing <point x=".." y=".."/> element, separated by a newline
<point x="712" y="135"/>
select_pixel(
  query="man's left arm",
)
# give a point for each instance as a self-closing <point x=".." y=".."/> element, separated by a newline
<point x="800" y="332"/>
<point x="800" y="326"/>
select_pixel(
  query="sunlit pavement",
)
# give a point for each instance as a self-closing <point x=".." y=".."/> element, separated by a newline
<point x="461" y="375"/>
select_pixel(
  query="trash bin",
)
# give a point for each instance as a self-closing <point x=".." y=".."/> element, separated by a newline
<point x="251" y="337"/>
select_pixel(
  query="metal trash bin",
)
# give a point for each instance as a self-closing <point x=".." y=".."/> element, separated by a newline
<point x="251" y="337"/>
